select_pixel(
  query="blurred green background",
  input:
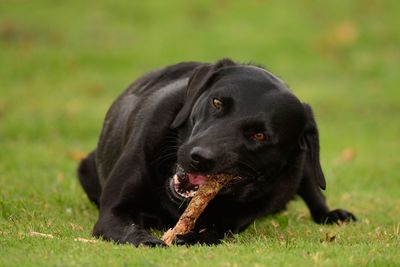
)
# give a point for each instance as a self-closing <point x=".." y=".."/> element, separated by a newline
<point x="62" y="63"/>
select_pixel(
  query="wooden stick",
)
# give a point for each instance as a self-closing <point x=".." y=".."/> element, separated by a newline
<point x="206" y="192"/>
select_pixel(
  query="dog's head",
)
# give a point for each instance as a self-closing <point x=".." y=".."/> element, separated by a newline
<point x="241" y="120"/>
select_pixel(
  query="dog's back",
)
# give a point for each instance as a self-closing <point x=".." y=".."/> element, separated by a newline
<point x="91" y="177"/>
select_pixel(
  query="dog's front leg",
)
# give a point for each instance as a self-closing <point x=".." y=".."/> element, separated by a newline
<point x="125" y="199"/>
<point x="313" y="178"/>
<point x="114" y="227"/>
<point x="311" y="194"/>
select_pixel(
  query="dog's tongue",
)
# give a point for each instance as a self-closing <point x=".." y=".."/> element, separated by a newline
<point x="196" y="178"/>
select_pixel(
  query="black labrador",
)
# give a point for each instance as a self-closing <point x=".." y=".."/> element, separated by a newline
<point x="193" y="119"/>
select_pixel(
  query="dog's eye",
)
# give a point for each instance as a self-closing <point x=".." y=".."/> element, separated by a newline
<point x="260" y="137"/>
<point x="217" y="103"/>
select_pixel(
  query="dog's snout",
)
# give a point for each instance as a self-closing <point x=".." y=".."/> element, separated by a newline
<point x="202" y="158"/>
<point x="199" y="154"/>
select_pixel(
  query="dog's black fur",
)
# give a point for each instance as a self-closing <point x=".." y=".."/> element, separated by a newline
<point x="169" y="117"/>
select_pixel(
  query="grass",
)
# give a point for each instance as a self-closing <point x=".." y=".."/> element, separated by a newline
<point x="62" y="63"/>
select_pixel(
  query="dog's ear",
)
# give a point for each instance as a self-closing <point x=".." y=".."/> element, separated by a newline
<point x="200" y="81"/>
<point x="309" y="141"/>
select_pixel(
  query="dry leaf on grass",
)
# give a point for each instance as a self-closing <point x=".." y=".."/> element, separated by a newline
<point x="345" y="33"/>
<point x="316" y="257"/>
<point x="275" y="224"/>
<point x="77" y="155"/>
<point x="328" y="238"/>
<point x="37" y="234"/>
<point x="94" y="90"/>
<point x="348" y="154"/>
<point x="76" y="227"/>
<point x="84" y="240"/>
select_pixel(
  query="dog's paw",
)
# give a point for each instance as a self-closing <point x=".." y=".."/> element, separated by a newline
<point x="338" y="216"/>
<point x="203" y="237"/>
<point x="152" y="242"/>
<point x="137" y="236"/>
<point x="190" y="238"/>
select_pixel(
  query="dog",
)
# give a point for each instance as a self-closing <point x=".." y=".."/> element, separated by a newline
<point x="194" y="119"/>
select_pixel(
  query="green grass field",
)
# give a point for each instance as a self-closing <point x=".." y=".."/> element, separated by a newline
<point x="62" y="63"/>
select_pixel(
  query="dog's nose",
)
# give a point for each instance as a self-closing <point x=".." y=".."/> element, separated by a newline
<point x="202" y="158"/>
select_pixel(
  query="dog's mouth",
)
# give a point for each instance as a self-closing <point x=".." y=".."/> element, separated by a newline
<point x="185" y="185"/>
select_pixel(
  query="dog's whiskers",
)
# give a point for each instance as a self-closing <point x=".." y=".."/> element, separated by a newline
<point x="252" y="170"/>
